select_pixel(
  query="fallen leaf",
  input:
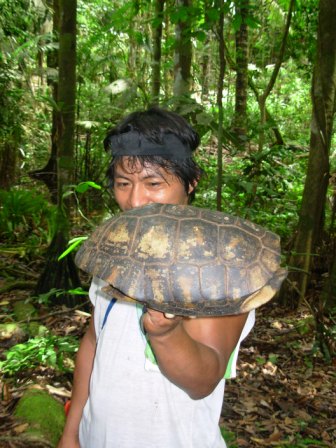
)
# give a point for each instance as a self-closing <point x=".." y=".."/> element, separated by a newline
<point x="20" y="428"/>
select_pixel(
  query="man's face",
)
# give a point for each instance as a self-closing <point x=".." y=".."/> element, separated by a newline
<point x="136" y="186"/>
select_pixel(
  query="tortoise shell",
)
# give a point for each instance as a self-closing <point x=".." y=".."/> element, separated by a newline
<point x="185" y="260"/>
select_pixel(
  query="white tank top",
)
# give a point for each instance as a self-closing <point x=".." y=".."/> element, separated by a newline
<point x="131" y="404"/>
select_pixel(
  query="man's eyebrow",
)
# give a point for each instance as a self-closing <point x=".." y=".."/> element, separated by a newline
<point x="152" y="175"/>
<point x="146" y="176"/>
<point x="123" y="176"/>
<point x="155" y="175"/>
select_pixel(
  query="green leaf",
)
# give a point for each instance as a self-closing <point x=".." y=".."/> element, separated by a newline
<point x="78" y="292"/>
<point x="84" y="186"/>
<point x="252" y="22"/>
<point x="45" y="297"/>
<point x="236" y="22"/>
<point x="248" y="186"/>
<point x="67" y="193"/>
<point x="200" y="35"/>
<point x="273" y="358"/>
<point x="74" y="243"/>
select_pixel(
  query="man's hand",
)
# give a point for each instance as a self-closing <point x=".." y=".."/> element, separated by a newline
<point x="156" y="323"/>
<point x="193" y="353"/>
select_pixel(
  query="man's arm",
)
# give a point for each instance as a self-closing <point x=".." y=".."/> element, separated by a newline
<point x="80" y="391"/>
<point x="193" y="353"/>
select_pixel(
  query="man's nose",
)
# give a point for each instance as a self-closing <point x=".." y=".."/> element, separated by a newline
<point x="138" y="197"/>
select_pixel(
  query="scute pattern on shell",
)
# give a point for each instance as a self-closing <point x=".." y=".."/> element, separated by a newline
<point x="185" y="260"/>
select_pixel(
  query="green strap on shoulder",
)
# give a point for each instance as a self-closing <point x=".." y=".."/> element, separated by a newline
<point x="228" y="371"/>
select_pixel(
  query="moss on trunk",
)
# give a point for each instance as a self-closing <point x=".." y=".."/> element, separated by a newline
<point x="44" y="415"/>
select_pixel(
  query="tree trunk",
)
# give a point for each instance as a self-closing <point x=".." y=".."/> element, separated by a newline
<point x="8" y="151"/>
<point x="10" y="124"/>
<point x="66" y="96"/>
<point x="270" y="85"/>
<point x="156" y="62"/>
<point x="168" y="75"/>
<point x="240" y="115"/>
<point x="183" y="54"/>
<point x="206" y="54"/>
<point x="220" y="104"/>
<point x="63" y="274"/>
<point x="311" y="220"/>
<point x="48" y="174"/>
<point x="205" y="61"/>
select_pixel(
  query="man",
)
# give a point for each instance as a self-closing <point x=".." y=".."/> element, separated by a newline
<point x="145" y="379"/>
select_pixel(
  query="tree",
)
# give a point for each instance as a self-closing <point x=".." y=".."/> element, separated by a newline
<point x="263" y="97"/>
<point x="221" y="54"/>
<point x="156" y="61"/>
<point x="48" y="174"/>
<point x="312" y="212"/>
<point x="62" y="274"/>
<point x="183" y="49"/>
<point x="240" y="115"/>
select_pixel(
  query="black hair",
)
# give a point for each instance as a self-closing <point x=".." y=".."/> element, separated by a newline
<point x="153" y="124"/>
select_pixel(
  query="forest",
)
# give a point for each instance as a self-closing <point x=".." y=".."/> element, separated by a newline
<point x="257" y="81"/>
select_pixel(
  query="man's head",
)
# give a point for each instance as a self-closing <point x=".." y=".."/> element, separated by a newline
<point x="157" y="142"/>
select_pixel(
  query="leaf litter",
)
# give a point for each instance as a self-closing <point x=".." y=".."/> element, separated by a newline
<point x="284" y="394"/>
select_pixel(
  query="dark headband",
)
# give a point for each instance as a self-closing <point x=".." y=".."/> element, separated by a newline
<point x="134" y="144"/>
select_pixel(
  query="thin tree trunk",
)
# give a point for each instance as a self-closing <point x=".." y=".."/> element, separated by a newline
<point x="156" y="62"/>
<point x="263" y="97"/>
<point x="183" y="54"/>
<point x="205" y="61"/>
<point x="66" y="96"/>
<point x="205" y="58"/>
<point x="278" y="137"/>
<point x="240" y="115"/>
<point x="167" y="74"/>
<point x="221" y="55"/>
<point x="269" y="119"/>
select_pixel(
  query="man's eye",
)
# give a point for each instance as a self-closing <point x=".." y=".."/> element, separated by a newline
<point x="122" y="184"/>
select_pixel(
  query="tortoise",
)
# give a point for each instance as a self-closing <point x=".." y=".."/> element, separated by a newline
<point x="185" y="260"/>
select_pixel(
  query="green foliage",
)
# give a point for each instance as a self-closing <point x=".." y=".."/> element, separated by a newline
<point x="264" y="187"/>
<point x="304" y="30"/>
<point x="301" y="442"/>
<point x="82" y="187"/>
<point x="49" y="351"/>
<point x="19" y="45"/>
<point x="72" y="245"/>
<point x="229" y="437"/>
<point x="46" y="297"/>
<point x="84" y="200"/>
<point x="26" y="216"/>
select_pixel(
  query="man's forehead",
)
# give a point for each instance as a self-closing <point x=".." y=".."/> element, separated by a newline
<point x="130" y="165"/>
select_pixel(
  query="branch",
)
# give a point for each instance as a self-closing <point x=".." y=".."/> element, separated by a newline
<point x="233" y="66"/>
<point x="281" y="54"/>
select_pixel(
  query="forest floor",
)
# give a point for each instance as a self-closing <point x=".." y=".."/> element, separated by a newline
<point x="284" y="394"/>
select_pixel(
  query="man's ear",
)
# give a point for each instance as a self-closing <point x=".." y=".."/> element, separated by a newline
<point x="192" y="187"/>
